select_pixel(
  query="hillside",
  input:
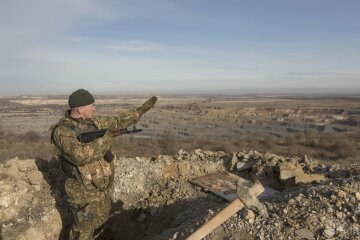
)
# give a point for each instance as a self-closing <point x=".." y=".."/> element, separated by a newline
<point x="153" y="198"/>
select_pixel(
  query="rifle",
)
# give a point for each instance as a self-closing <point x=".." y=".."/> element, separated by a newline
<point x="91" y="136"/>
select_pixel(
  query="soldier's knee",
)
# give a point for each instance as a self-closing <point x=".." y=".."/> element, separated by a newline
<point x="83" y="218"/>
<point x="81" y="234"/>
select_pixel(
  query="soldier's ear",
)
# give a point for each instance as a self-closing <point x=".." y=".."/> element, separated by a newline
<point x="79" y="110"/>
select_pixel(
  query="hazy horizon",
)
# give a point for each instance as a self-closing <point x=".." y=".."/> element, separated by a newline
<point x="232" y="92"/>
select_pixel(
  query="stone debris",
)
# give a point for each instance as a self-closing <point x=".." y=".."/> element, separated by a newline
<point x="357" y="196"/>
<point x="234" y="161"/>
<point x="242" y="166"/>
<point x="308" y="178"/>
<point x="278" y="171"/>
<point x="305" y="233"/>
<point x="35" y="177"/>
<point x="289" y="169"/>
<point x="158" y="202"/>
<point x="329" y="232"/>
<point x="248" y="214"/>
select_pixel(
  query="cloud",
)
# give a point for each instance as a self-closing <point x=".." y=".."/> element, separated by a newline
<point x="145" y="46"/>
<point x="137" y="46"/>
<point x="42" y="17"/>
<point x="100" y="44"/>
<point x="26" y="25"/>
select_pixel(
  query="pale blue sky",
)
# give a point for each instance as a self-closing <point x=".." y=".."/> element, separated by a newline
<point x="116" y="46"/>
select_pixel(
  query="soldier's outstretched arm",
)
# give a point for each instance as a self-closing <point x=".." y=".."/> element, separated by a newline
<point x="80" y="153"/>
<point x="150" y="103"/>
<point x="125" y="119"/>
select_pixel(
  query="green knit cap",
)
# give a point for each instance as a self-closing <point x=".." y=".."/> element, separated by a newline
<point x="80" y="98"/>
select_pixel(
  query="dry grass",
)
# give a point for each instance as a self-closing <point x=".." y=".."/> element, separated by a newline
<point x="24" y="146"/>
<point x="323" y="146"/>
<point x="327" y="147"/>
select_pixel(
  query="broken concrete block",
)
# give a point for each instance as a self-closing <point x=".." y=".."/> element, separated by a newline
<point x="308" y="178"/>
<point x="305" y="233"/>
<point x="289" y="170"/>
<point x="292" y="202"/>
<point x="242" y="166"/>
<point x="6" y="201"/>
<point x="35" y="177"/>
<point x="328" y="232"/>
<point x="357" y="195"/>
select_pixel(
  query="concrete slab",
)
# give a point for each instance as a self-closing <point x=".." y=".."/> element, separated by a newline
<point x="224" y="185"/>
<point x="305" y="233"/>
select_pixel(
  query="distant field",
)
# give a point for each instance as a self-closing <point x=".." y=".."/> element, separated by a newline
<point x="326" y="128"/>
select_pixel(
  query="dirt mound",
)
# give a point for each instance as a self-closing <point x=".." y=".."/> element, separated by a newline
<point x="153" y="198"/>
<point x="27" y="207"/>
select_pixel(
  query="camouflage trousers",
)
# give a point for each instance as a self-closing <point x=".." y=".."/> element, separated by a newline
<point x="90" y="208"/>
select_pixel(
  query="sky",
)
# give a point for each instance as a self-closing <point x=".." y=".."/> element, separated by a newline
<point x="140" y="46"/>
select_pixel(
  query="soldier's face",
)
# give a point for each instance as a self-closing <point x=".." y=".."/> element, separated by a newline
<point x="87" y="111"/>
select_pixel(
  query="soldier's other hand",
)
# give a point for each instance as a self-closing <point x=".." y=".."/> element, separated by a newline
<point x="150" y="103"/>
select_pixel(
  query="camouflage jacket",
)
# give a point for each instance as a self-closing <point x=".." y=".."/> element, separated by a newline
<point x="69" y="147"/>
<point x="85" y="161"/>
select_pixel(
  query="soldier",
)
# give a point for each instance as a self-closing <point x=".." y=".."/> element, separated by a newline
<point x="88" y="167"/>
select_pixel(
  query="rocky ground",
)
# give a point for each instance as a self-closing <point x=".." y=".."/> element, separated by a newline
<point x="153" y="198"/>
